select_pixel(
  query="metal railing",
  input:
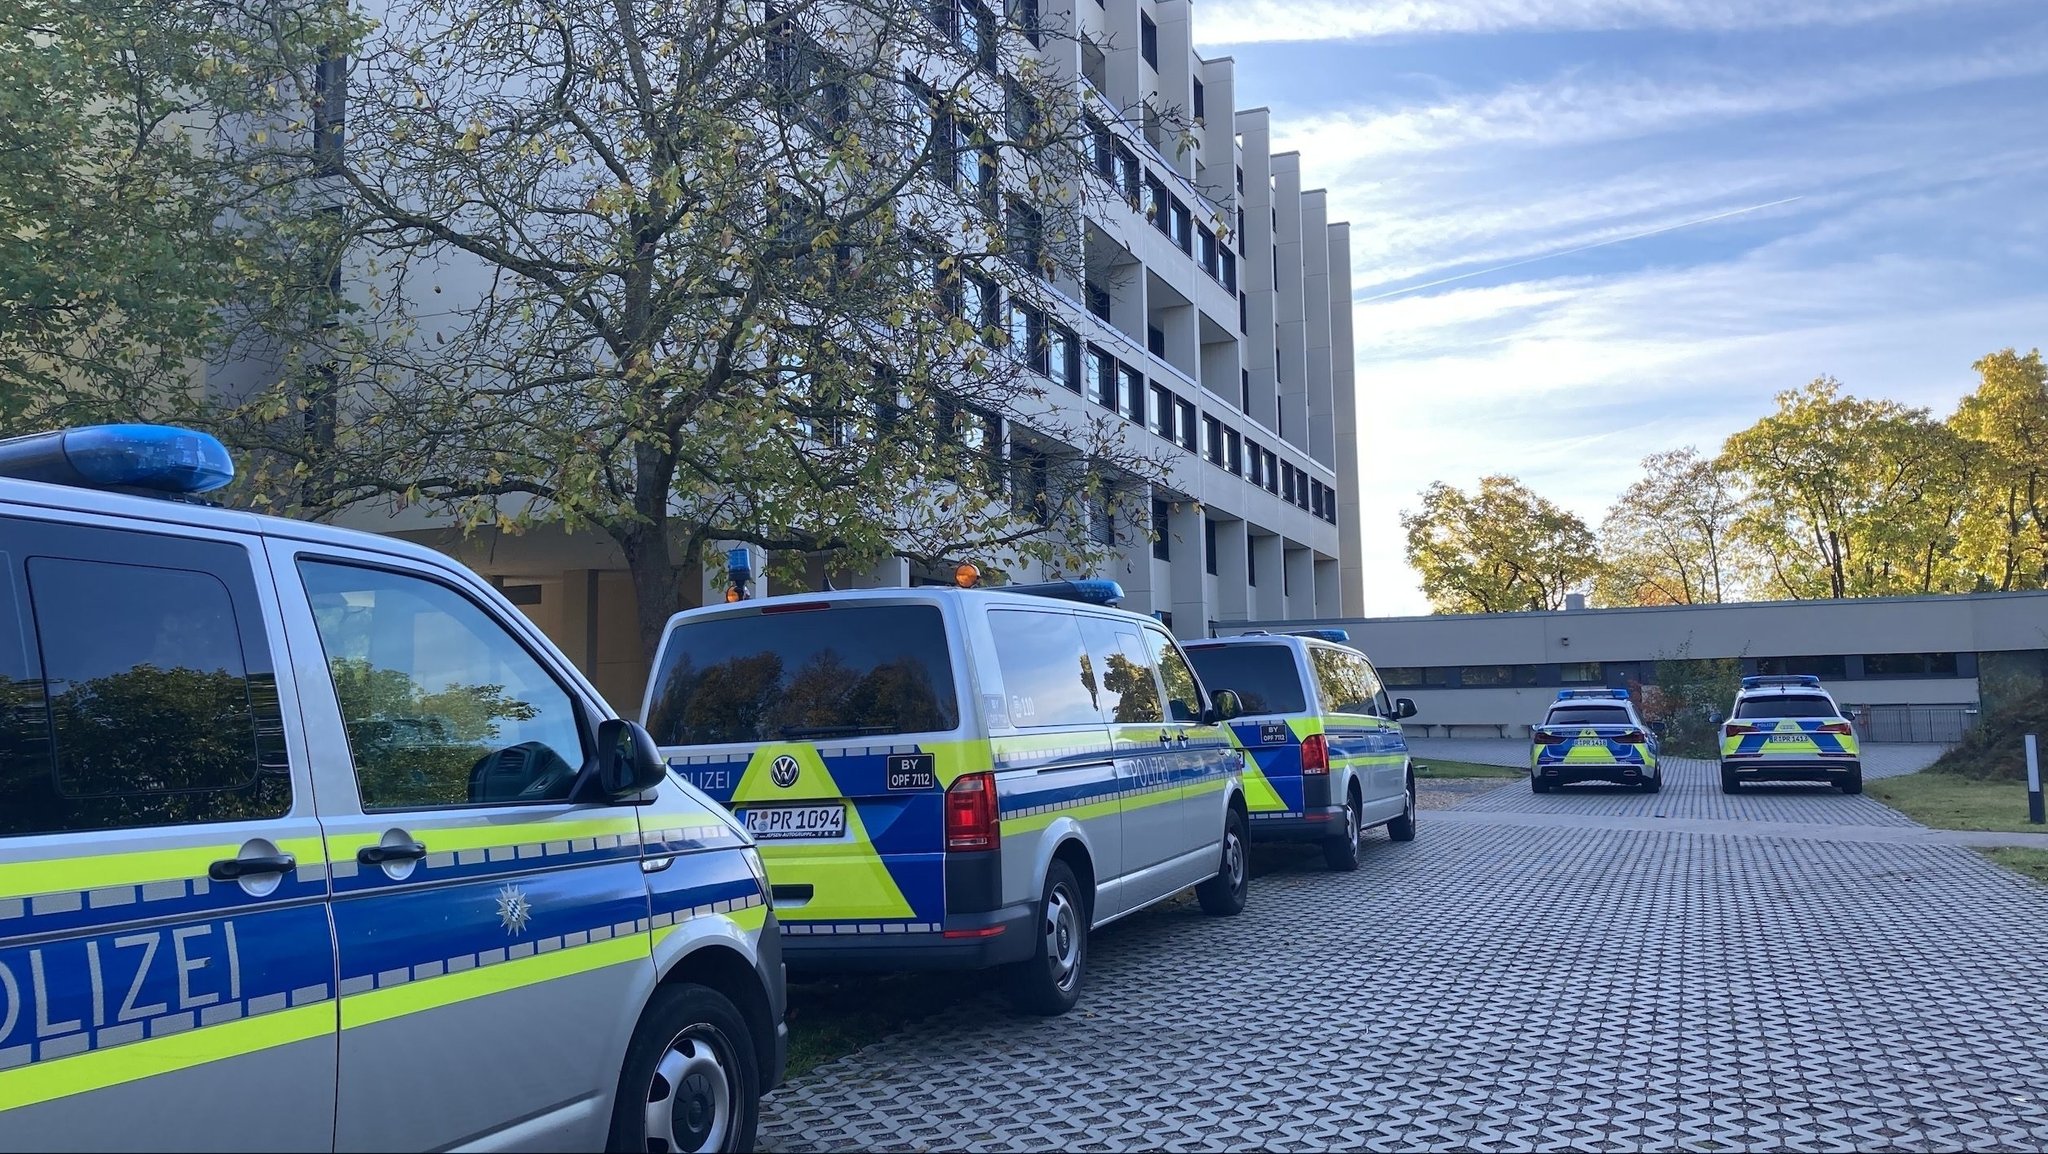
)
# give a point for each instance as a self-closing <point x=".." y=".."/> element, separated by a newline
<point x="1913" y="724"/>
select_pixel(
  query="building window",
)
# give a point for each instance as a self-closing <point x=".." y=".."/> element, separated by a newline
<point x="1244" y="320"/>
<point x="1329" y="505"/>
<point x="1200" y="111"/>
<point x="1156" y="201"/>
<point x="1825" y="667"/>
<point x="1287" y="482"/>
<point x="330" y="111"/>
<point x="1582" y="673"/>
<point x="1184" y="424"/>
<point x="1315" y="498"/>
<point x="1244" y="390"/>
<point x="1027" y="337"/>
<point x="1212" y="438"/>
<point x="1255" y="458"/>
<point x="1162" y="547"/>
<point x="980" y="306"/>
<point x="1409" y="677"/>
<point x="1148" y="40"/>
<point x="1496" y="676"/>
<point x="1272" y="472"/>
<point x="1206" y="241"/>
<point x="1180" y="226"/>
<point x="1251" y="562"/>
<point x="1098" y="299"/>
<point x="1233" y="451"/>
<point x="1909" y="665"/>
<point x="1024" y="237"/>
<point x="1132" y="393"/>
<point x="1102" y="378"/>
<point x="1127" y="170"/>
<point x="1155" y="341"/>
<point x="1162" y="411"/>
<point x="1228" y="269"/>
<point x="1065" y="358"/>
<point x="1024" y="14"/>
<point x="1209" y="545"/>
<point x="1101" y="525"/>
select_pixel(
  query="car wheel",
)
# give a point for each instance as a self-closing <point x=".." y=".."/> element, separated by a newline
<point x="1050" y="982"/>
<point x="1224" y="894"/>
<point x="1537" y="784"/>
<point x="1341" y="853"/>
<point x="691" y="1079"/>
<point x="1854" y="782"/>
<point x="1728" y="782"/>
<point x="1403" y="828"/>
<point x="1654" y="782"/>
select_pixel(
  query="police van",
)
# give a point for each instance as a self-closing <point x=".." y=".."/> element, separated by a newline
<point x="1788" y="728"/>
<point x="946" y="777"/>
<point x="1593" y="735"/>
<point x="1326" y="759"/>
<point x="310" y="841"/>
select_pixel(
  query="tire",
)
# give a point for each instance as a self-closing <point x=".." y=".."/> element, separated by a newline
<point x="1403" y="828"/>
<point x="1728" y="782"/>
<point x="691" y="1080"/>
<point x="1049" y="983"/>
<point x="1854" y="782"/>
<point x="1654" y="782"/>
<point x="1341" y="853"/>
<point x="1537" y="784"/>
<point x="1223" y="895"/>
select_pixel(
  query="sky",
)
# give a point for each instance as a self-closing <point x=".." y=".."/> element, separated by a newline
<point x="1584" y="231"/>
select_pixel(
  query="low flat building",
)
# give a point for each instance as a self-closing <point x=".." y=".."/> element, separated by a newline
<point x="1909" y="668"/>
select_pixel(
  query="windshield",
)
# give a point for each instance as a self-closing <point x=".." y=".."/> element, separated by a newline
<point x="1264" y="677"/>
<point x="1785" y="705"/>
<point x="1588" y="715"/>
<point x="846" y="671"/>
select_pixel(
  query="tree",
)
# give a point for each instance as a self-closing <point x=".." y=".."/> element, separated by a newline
<point x="2004" y="532"/>
<point x="1496" y="550"/>
<point x="121" y="245"/>
<point x="1844" y="497"/>
<point x="701" y="271"/>
<point x="1665" y="541"/>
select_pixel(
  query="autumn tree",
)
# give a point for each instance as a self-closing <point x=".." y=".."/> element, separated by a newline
<point x="125" y="237"/>
<point x="1666" y="541"/>
<point x="2004" y="531"/>
<point x="1498" y="549"/>
<point x="697" y="271"/>
<point x="1845" y="497"/>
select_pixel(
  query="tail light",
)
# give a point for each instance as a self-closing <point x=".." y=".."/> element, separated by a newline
<point x="1632" y="737"/>
<point x="1543" y="738"/>
<point x="1837" y="727"/>
<point x="1735" y="727"/>
<point x="1315" y="755"/>
<point x="971" y="813"/>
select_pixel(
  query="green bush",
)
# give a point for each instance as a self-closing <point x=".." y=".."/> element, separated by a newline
<point x="1690" y="697"/>
<point x="1996" y="749"/>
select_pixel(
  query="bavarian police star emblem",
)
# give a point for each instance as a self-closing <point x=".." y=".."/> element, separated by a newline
<point x="514" y="911"/>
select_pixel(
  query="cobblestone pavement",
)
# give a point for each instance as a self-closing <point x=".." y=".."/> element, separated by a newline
<point x="1495" y="985"/>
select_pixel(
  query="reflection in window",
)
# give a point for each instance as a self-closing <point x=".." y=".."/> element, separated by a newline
<point x="147" y="711"/>
<point x="1582" y="673"/>
<point x="1264" y="677"/>
<point x="1183" y="693"/>
<point x="1344" y="682"/>
<point x="850" y="671"/>
<point x="1130" y="692"/>
<point x="1048" y="678"/>
<point x="442" y="705"/>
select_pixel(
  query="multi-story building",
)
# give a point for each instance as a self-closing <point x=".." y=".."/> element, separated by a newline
<point x="1213" y="318"/>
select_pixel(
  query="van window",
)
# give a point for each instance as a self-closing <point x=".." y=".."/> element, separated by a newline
<point x="1048" y="677"/>
<point x="441" y="704"/>
<point x="1183" y="692"/>
<point x="1786" y="705"/>
<point x="1130" y="687"/>
<point x="1344" y="682"/>
<point x="851" y="670"/>
<point x="153" y="705"/>
<point x="1264" y="677"/>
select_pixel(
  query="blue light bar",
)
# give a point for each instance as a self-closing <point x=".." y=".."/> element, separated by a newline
<point x="737" y="561"/>
<point x="1092" y="592"/>
<point x="1806" y="679"/>
<point x="1338" y="635"/>
<point x="1596" y="694"/>
<point x="159" y="458"/>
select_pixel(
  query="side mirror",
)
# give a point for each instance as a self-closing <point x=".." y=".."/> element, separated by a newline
<point x="1224" y="705"/>
<point x="1404" y="707"/>
<point x="627" y="764"/>
<point x="1657" y="727"/>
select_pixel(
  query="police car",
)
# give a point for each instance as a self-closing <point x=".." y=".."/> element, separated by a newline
<point x="947" y="777"/>
<point x="1788" y="729"/>
<point x="1326" y="759"/>
<point x="1593" y="735"/>
<point x="309" y="840"/>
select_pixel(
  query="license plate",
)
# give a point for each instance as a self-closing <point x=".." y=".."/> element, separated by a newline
<point x="796" y="822"/>
<point x="1787" y="739"/>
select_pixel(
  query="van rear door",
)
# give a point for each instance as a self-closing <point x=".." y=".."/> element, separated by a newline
<point x="830" y="728"/>
<point x="1268" y="681"/>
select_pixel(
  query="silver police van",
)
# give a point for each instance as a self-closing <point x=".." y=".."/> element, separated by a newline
<point x="310" y="841"/>
<point x="950" y="777"/>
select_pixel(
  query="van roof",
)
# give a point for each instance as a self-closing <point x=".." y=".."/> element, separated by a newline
<point x="899" y="594"/>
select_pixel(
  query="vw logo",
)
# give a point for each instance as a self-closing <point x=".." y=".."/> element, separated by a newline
<point x="783" y="772"/>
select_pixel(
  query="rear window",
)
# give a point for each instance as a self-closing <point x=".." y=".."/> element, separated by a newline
<point x="1264" y="677"/>
<point x="847" y="671"/>
<point x="1785" y="705"/>
<point x="1588" y="715"/>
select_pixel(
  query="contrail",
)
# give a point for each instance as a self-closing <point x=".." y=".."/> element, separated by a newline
<point x="1580" y="249"/>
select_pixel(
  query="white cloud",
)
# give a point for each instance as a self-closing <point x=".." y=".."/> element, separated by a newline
<point x="1267" y="21"/>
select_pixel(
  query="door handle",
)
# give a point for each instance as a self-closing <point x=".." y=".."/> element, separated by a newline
<point x="380" y="854"/>
<point x="235" y="868"/>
